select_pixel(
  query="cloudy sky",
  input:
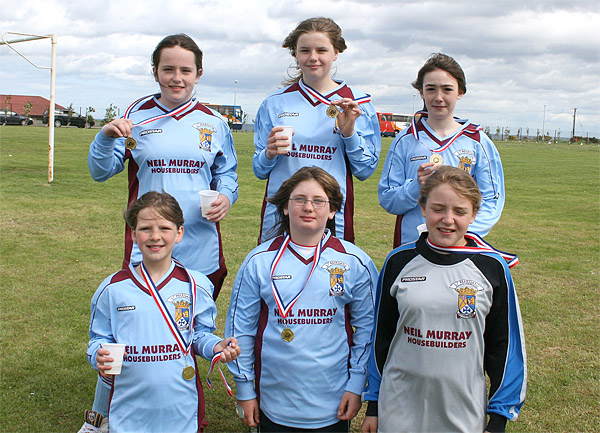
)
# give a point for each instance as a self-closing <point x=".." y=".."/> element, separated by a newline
<point x="527" y="62"/>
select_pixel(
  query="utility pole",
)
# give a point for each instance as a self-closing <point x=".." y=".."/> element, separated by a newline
<point x="573" y="133"/>
<point x="544" y="124"/>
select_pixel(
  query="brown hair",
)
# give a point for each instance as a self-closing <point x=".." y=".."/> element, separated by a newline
<point x="282" y="197"/>
<point x="459" y="180"/>
<point x="445" y="63"/>
<point x="182" y="40"/>
<point x="314" y="25"/>
<point x="165" y="205"/>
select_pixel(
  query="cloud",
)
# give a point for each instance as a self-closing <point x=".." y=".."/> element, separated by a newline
<point x="518" y="56"/>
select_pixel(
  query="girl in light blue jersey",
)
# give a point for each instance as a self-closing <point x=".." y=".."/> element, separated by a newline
<point x="300" y="309"/>
<point x="437" y="138"/>
<point x="335" y="126"/>
<point x="165" y="315"/>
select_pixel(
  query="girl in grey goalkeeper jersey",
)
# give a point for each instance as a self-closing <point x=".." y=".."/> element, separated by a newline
<point x="447" y="314"/>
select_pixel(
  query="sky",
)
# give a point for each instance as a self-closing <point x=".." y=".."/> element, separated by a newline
<point x="528" y="64"/>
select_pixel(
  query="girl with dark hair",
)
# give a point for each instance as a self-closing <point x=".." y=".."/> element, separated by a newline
<point x="300" y="309"/>
<point x="438" y="138"/>
<point x="335" y="126"/>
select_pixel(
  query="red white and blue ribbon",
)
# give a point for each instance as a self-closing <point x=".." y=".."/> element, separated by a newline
<point x="185" y="347"/>
<point x="445" y="145"/>
<point x="174" y="112"/>
<point x="324" y="99"/>
<point x="213" y="362"/>
<point x="482" y="247"/>
<point x="285" y="309"/>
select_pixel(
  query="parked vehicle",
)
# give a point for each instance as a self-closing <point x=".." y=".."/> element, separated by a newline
<point x="61" y="117"/>
<point x="12" y="118"/>
<point x="391" y="124"/>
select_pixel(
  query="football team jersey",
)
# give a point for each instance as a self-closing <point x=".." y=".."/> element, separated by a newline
<point x="468" y="148"/>
<point x="316" y="141"/>
<point x="299" y="381"/>
<point x="181" y="155"/>
<point x="150" y="394"/>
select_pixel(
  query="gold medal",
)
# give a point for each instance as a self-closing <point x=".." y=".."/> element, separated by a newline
<point x="436" y="158"/>
<point x="188" y="372"/>
<point x="332" y="111"/>
<point x="130" y="143"/>
<point x="287" y="335"/>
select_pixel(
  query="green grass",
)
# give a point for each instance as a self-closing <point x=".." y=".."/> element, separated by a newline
<point x="59" y="240"/>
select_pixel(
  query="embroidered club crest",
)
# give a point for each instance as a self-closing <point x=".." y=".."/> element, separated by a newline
<point x="336" y="277"/>
<point x="467" y="298"/>
<point x="466" y="302"/>
<point x="465" y="163"/>
<point x="182" y="314"/>
<point x="206" y="133"/>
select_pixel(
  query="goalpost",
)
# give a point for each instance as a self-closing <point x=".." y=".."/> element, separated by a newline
<point x="52" y="68"/>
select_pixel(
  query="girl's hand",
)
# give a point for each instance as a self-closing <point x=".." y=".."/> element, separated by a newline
<point x="229" y="349"/>
<point x="118" y="128"/>
<point x="218" y="209"/>
<point x="347" y="117"/>
<point x="369" y="425"/>
<point x="426" y="170"/>
<point x="250" y="408"/>
<point x="101" y="358"/>
<point x="349" y="406"/>
<point x="276" y="143"/>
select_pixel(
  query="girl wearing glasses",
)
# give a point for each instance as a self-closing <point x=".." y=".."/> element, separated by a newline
<point x="300" y="309"/>
<point x="335" y="125"/>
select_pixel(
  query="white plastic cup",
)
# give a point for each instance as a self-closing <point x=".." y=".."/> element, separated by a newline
<point x="287" y="133"/>
<point x="206" y="200"/>
<point x="116" y="352"/>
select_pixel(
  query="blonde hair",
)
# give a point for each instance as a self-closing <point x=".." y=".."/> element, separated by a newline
<point x="459" y="180"/>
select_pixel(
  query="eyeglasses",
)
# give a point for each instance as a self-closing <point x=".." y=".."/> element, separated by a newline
<point x="317" y="202"/>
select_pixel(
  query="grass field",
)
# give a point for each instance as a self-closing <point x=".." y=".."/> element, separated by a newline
<point x="59" y="240"/>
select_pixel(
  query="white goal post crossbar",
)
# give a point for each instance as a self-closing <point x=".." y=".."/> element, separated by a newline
<point x="52" y="68"/>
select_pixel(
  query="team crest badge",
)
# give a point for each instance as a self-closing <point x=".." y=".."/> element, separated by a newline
<point x="336" y="277"/>
<point x="467" y="298"/>
<point x="465" y="163"/>
<point x="182" y="310"/>
<point x="466" y="159"/>
<point x="206" y="133"/>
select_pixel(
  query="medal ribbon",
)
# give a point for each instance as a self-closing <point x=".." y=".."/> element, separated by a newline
<point x="285" y="309"/>
<point x="185" y="347"/>
<point x="213" y="362"/>
<point x="444" y="146"/>
<point x="482" y="247"/>
<point x="173" y="112"/>
<point x="315" y="94"/>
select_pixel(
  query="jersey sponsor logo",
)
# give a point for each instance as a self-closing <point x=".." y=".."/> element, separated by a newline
<point x="286" y="114"/>
<point x="467" y="298"/>
<point x="126" y="308"/>
<point x="336" y="271"/>
<point x="466" y="159"/>
<point x="418" y="158"/>
<point x="282" y="277"/>
<point x="151" y="131"/>
<point x="206" y="131"/>
<point x="412" y="279"/>
<point x="182" y="303"/>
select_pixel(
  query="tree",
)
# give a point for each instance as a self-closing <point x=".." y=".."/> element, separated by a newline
<point x="111" y="113"/>
<point x="497" y="132"/>
<point x="7" y="105"/>
<point x="27" y="108"/>
<point x="89" y="119"/>
<point x="69" y="114"/>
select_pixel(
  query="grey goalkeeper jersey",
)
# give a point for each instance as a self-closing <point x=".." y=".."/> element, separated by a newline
<point x="443" y="321"/>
